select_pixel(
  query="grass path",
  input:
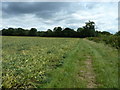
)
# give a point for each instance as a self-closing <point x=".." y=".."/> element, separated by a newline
<point x="105" y="64"/>
<point x="88" y="65"/>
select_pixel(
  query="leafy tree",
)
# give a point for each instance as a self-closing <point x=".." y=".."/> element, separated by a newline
<point x="21" y="32"/>
<point x="4" y="32"/>
<point x="105" y="33"/>
<point x="33" y="32"/>
<point x="42" y="33"/>
<point x="88" y="30"/>
<point x="117" y="33"/>
<point x="99" y="33"/>
<point x="80" y="32"/>
<point x="57" y="31"/>
<point x="68" y="32"/>
<point x="0" y="32"/>
<point x="49" y="33"/>
<point x="80" y="29"/>
<point x="11" y="31"/>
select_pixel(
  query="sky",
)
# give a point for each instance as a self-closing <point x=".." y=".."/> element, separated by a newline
<point x="47" y="15"/>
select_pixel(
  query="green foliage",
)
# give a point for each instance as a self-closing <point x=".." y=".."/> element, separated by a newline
<point x="79" y="29"/>
<point x="108" y="39"/>
<point x="101" y="33"/>
<point x="68" y="32"/>
<point x="33" y="32"/>
<point x="27" y="61"/>
<point x="117" y="33"/>
<point x="57" y="31"/>
<point x="49" y="33"/>
<point x="88" y="30"/>
<point x="15" y="32"/>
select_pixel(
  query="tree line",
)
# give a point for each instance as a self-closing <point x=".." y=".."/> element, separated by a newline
<point x="86" y="31"/>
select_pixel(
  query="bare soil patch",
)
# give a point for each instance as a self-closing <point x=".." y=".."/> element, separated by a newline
<point x="89" y="75"/>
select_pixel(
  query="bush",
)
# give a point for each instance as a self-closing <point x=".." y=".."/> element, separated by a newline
<point x="111" y="40"/>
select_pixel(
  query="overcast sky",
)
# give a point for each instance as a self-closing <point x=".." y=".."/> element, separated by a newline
<point x="47" y="15"/>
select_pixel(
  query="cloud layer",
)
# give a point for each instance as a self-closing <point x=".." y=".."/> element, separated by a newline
<point x="45" y="15"/>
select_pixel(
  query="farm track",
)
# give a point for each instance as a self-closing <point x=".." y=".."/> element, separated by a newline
<point x="88" y="73"/>
<point x="100" y="71"/>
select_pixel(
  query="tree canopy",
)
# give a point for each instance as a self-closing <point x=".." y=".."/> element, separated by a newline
<point x="85" y="31"/>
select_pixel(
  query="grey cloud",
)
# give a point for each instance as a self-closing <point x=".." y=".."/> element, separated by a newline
<point x="44" y="10"/>
<point x="40" y="9"/>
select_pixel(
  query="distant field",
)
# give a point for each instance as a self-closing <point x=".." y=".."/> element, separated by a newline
<point x="35" y="62"/>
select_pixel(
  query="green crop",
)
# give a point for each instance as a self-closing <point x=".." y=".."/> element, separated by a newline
<point x="27" y="61"/>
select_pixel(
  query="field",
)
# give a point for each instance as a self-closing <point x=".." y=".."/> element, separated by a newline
<point x="35" y="62"/>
